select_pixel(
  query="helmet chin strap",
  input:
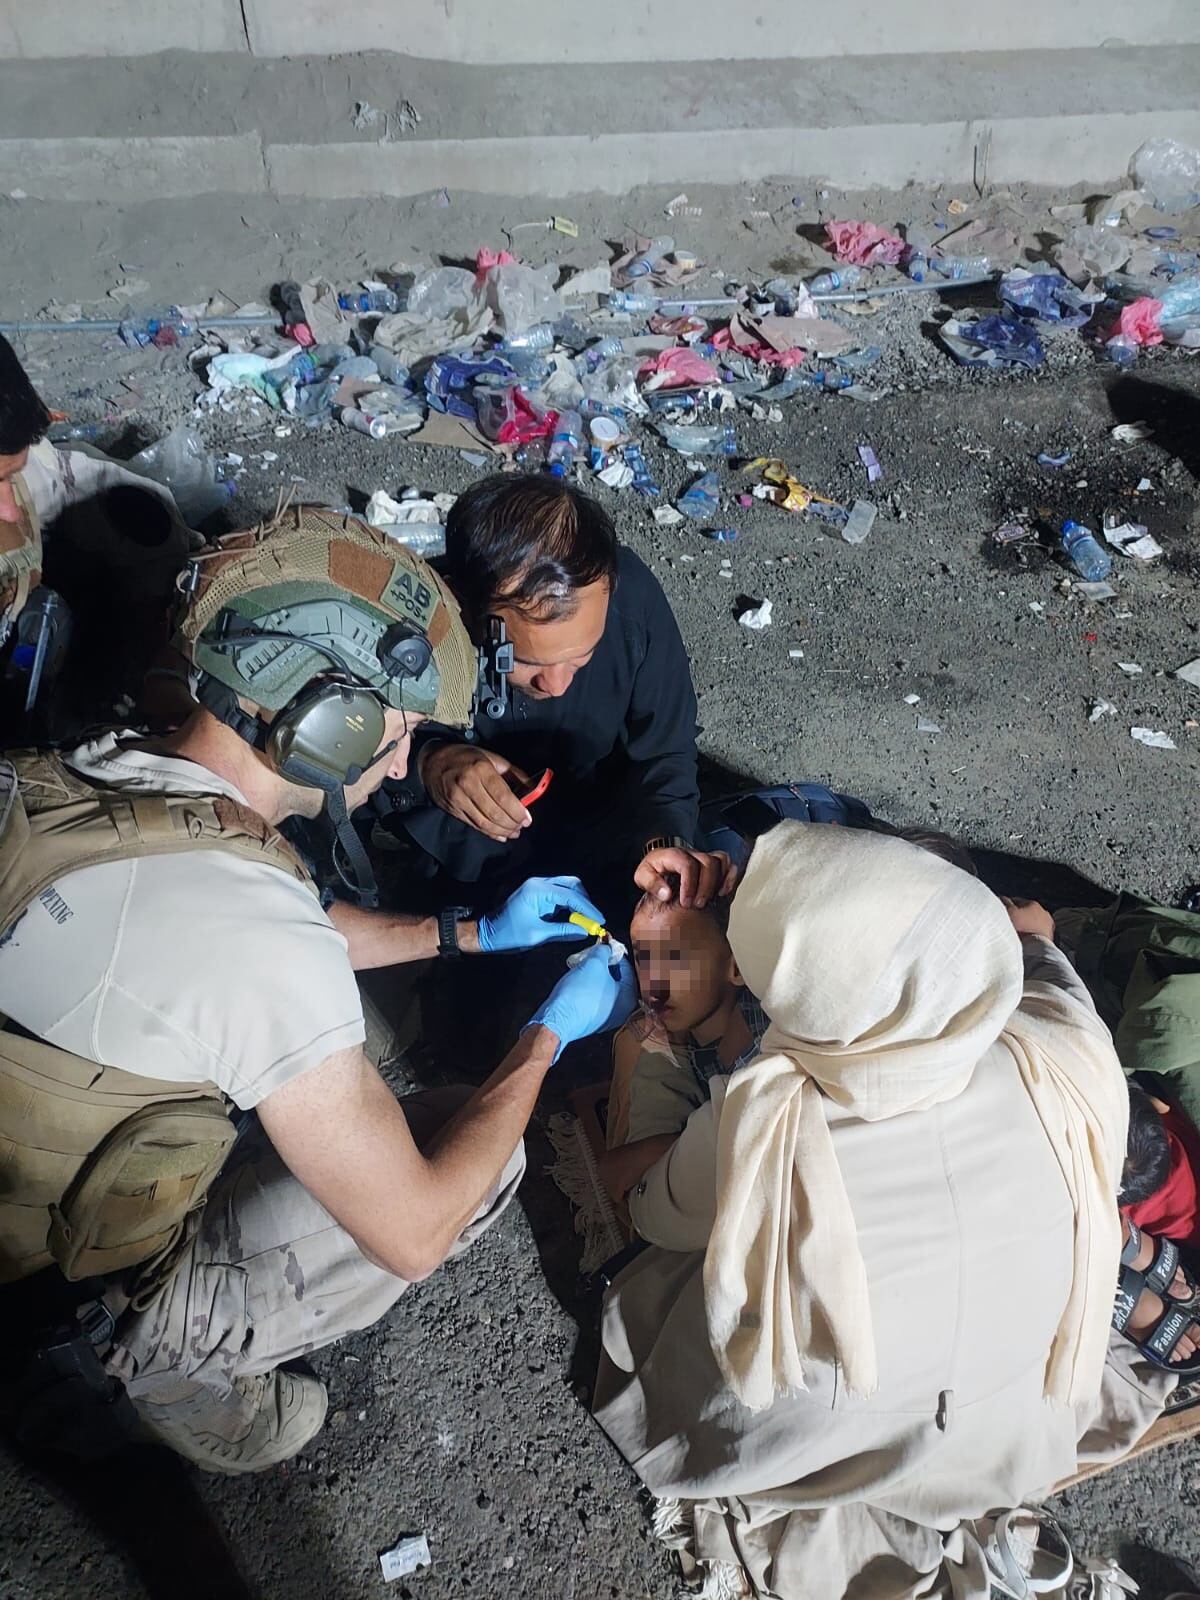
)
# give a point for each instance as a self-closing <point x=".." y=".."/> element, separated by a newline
<point x="350" y="859"/>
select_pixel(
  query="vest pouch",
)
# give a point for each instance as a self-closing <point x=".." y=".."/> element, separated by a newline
<point x="129" y="1202"/>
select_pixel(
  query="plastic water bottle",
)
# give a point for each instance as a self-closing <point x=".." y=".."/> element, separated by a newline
<point x="540" y="337"/>
<point x="644" y="264"/>
<point x="1180" y="297"/>
<point x="828" y="380"/>
<point x="366" y="301"/>
<point x="695" y="441"/>
<point x="597" y="354"/>
<point x="634" y="304"/>
<point x="700" y="501"/>
<point x="389" y="367"/>
<point x="961" y="266"/>
<point x="642" y="481"/>
<point x="566" y="443"/>
<point x="835" y="280"/>
<point x="1087" y="555"/>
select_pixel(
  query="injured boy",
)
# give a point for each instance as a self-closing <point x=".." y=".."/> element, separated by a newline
<point x="697" y="1019"/>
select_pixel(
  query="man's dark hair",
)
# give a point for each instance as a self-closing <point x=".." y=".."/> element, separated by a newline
<point x="938" y="844"/>
<point x="527" y="543"/>
<point x="24" y="417"/>
<point x="1147" y="1152"/>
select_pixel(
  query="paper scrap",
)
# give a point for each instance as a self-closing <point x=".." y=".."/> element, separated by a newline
<point x="912" y="699"/>
<point x="1142" y="485"/>
<point x="667" y="516"/>
<point x="1101" y="709"/>
<point x="618" y="476"/>
<point x="1131" y="669"/>
<point x="1096" y="591"/>
<point x="1189" y="672"/>
<point x="871" y="461"/>
<point x="404" y="1558"/>
<point x="1132" y="432"/>
<point x="796" y="655"/>
<point x="925" y="726"/>
<point x="757" y="617"/>
<point x="451" y="433"/>
<point x="1155" y="740"/>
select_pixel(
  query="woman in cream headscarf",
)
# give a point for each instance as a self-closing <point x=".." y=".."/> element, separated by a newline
<point x="887" y="1248"/>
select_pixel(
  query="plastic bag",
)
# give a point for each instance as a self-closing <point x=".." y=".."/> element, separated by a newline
<point x="615" y="384"/>
<point x="182" y="463"/>
<point x="992" y="342"/>
<point x="1169" y="172"/>
<point x="677" y="369"/>
<point x="1092" y="251"/>
<point x="442" y="291"/>
<point x="1045" y="296"/>
<point x="522" y="296"/>
<point x="701" y="499"/>
<point x="864" y="243"/>
<point x="1140" y="321"/>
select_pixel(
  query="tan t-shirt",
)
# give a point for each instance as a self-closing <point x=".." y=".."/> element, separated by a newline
<point x="192" y="967"/>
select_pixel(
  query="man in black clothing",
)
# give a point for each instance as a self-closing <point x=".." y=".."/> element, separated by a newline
<point x="599" y="691"/>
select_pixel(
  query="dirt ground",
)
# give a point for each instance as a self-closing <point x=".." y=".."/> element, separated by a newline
<point x="462" y="1414"/>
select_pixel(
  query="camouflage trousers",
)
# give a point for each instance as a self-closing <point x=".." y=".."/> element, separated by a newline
<point x="269" y="1275"/>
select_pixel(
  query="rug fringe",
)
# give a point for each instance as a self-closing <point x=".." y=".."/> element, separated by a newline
<point x="673" y="1524"/>
<point x="575" y="1172"/>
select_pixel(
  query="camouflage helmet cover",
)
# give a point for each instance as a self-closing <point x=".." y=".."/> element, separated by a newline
<point x="317" y="574"/>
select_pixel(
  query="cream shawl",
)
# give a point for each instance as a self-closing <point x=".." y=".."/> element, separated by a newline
<point x="886" y="973"/>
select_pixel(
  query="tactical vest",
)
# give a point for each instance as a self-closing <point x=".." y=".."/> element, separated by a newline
<point x="100" y="1169"/>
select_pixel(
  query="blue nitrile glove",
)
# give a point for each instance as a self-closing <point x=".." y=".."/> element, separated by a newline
<point x="588" y="998"/>
<point x="521" y="922"/>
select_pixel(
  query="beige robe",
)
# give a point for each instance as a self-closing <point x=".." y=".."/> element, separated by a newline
<point x="965" y="1229"/>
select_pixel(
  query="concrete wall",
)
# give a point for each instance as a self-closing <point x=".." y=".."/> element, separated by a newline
<point x="575" y="31"/>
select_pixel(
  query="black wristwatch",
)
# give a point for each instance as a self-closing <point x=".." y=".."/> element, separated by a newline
<point x="672" y="841"/>
<point x="448" y="920"/>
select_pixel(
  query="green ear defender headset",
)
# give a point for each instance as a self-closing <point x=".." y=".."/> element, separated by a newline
<point x="329" y="734"/>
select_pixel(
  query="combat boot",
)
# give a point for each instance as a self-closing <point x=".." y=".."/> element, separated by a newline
<point x="263" y="1421"/>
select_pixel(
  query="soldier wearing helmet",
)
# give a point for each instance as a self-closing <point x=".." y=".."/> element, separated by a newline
<point x="167" y="967"/>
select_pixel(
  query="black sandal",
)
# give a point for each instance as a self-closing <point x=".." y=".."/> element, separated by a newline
<point x="1159" y="1342"/>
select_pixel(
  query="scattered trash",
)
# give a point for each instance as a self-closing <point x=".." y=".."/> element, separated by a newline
<point x="405" y="1557"/>
<point x="757" y="617"/>
<point x="679" y="207"/>
<point x="912" y="699"/>
<point x="871" y="461"/>
<point x="1143" y="484"/>
<point x="1095" y="591"/>
<point x="1046" y="296"/>
<point x="1012" y="533"/>
<point x="1132" y="432"/>
<point x="1189" y="672"/>
<point x="1131" y="538"/>
<point x="860" y="522"/>
<point x="1154" y="740"/>
<point x="924" y="725"/>
<point x="667" y="516"/>
<point x="1048" y="458"/>
<point x="1169" y="172"/>
<point x="183" y="463"/>
<point x="1131" y="669"/>
<point x="1101" y="709"/>
<point x="723" y="535"/>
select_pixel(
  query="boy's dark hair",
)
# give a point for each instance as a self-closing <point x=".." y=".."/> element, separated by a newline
<point x="938" y="844"/>
<point x="1147" y="1152"/>
<point x="718" y="908"/>
<point x="527" y="543"/>
<point x="24" y="416"/>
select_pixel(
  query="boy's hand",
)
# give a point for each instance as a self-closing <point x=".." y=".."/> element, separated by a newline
<point x="1027" y="916"/>
<point x="621" y="1169"/>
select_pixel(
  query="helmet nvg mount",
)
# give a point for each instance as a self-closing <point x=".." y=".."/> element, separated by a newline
<point x="304" y="631"/>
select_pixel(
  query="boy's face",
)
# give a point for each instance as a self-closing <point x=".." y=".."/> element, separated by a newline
<point x="685" y="968"/>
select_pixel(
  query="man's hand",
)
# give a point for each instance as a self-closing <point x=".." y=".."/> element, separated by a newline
<point x="588" y="998"/>
<point x="1027" y="916"/>
<point x="471" y="785"/>
<point x="523" y="920"/>
<point x="701" y="875"/>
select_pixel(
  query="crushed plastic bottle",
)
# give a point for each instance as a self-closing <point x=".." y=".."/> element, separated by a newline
<point x="836" y="280"/>
<point x="1121" y="350"/>
<point x="645" y="262"/>
<point x="956" y="267"/>
<point x="696" y="441"/>
<point x="1086" y="554"/>
<point x="536" y="339"/>
<point x="701" y="499"/>
<point x="566" y="443"/>
<point x="389" y="367"/>
<point x="182" y="463"/>
<point x="371" y="302"/>
<point x="860" y="522"/>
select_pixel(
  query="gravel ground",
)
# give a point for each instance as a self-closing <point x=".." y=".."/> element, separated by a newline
<point x="460" y="1414"/>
